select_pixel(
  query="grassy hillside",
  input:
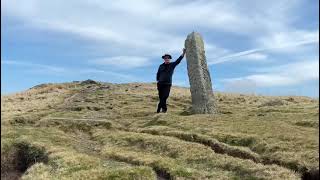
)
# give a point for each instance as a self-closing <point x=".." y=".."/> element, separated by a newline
<point x="89" y="130"/>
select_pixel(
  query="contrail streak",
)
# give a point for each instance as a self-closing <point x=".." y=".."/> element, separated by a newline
<point x="231" y="57"/>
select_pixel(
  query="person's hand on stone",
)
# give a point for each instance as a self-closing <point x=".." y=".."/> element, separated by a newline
<point x="183" y="51"/>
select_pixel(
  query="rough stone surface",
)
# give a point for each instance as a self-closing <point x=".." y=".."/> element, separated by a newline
<point x="199" y="76"/>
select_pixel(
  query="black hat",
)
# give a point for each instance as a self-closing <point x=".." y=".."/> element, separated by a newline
<point x="168" y="55"/>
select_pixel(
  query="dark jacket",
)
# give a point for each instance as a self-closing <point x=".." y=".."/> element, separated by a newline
<point x="165" y="71"/>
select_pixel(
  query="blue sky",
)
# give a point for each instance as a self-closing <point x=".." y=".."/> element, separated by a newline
<point x="252" y="46"/>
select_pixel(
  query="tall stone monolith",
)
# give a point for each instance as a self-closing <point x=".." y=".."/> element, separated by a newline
<point x="199" y="76"/>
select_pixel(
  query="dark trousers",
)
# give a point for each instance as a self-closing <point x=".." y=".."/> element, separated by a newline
<point x="164" y="91"/>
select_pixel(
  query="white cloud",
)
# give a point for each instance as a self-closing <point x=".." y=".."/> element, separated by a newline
<point x="119" y="25"/>
<point x="279" y="43"/>
<point x="152" y="27"/>
<point x="240" y="86"/>
<point x="214" y="52"/>
<point x="288" y="41"/>
<point x="256" y="56"/>
<point x="35" y="66"/>
<point x="124" y="62"/>
<point x="60" y="71"/>
<point x="118" y="76"/>
<point x="268" y="80"/>
<point x="284" y="75"/>
<point x="252" y="54"/>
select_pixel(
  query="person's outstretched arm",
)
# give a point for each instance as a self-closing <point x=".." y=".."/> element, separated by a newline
<point x="180" y="57"/>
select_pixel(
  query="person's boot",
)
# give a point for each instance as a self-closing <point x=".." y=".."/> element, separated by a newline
<point x="159" y="108"/>
<point x="164" y="110"/>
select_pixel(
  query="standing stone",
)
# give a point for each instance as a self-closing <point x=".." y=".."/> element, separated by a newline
<point x="199" y="76"/>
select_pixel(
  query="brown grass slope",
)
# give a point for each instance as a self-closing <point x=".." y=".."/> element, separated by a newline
<point x="95" y="130"/>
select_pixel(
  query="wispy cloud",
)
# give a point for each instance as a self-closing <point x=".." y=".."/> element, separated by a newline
<point x="61" y="71"/>
<point x="123" y="62"/>
<point x="284" y="75"/>
<point x="257" y="56"/>
<point x="277" y="43"/>
<point x="119" y="76"/>
<point x="33" y="66"/>
<point x="288" y="40"/>
<point x="240" y="86"/>
<point x="234" y="56"/>
<point x="164" y="29"/>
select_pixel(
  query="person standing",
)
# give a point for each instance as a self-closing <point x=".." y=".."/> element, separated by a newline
<point x="164" y="79"/>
